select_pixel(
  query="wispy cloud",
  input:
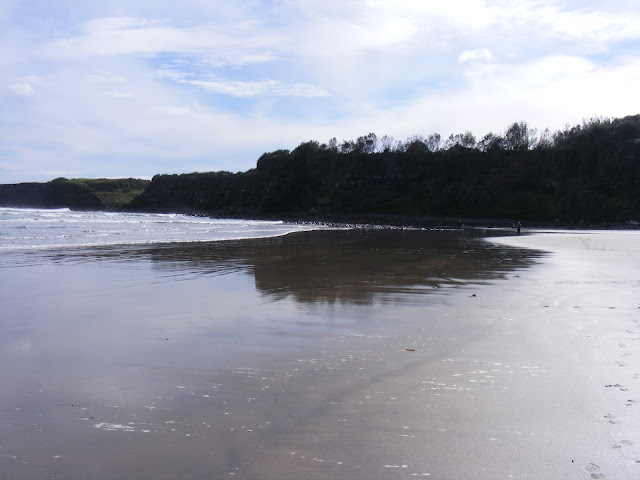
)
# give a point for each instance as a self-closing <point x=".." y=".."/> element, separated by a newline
<point x="477" y="54"/>
<point x="255" y="88"/>
<point x="22" y="89"/>
<point x="121" y="36"/>
<point x="591" y="25"/>
<point x="240" y="88"/>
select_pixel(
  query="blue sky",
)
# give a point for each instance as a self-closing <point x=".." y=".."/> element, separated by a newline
<point x="121" y="88"/>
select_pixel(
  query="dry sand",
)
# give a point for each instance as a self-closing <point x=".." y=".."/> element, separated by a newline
<point x="550" y="387"/>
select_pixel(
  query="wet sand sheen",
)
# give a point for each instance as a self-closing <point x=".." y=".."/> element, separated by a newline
<point x="288" y="358"/>
<point x="548" y="389"/>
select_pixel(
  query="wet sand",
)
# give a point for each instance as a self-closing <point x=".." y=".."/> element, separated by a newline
<point x="349" y="354"/>
<point x="549" y="388"/>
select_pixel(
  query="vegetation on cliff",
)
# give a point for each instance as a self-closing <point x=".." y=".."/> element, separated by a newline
<point x="79" y="193"/>
<point x="589" y="172"/>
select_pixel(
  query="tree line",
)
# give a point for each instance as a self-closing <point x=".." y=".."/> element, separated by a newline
<point x="587" y="173"/>
<point x="518" y="136"/>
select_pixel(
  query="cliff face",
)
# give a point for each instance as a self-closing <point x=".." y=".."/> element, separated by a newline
<point x="220" y="193"/>
<point x="80" y="194"/>
<point x="589" y="173"/>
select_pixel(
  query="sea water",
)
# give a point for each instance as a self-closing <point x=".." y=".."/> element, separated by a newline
<point x="27" y="229"/>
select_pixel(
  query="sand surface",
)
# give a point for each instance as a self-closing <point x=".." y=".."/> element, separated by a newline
<point x="549" y="388"/>
<point x="326" y="355"/>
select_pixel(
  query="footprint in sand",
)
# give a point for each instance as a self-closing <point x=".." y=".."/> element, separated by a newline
<point x="611" y="418"/>
<point x="622" y="443"/>
<point x="631" y="402"/>
<point x="617" y="385"/>
<point x="593" y="469"/>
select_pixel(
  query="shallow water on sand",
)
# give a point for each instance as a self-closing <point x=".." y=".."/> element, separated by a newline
<point x="184" y="360"/>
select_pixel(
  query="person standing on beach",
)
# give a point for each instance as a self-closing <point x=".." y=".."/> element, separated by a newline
<point x="518" y="227"/>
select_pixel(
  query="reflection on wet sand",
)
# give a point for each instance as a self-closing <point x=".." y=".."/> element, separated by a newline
<point x="183" y="361"/>
<point x="339" y="266"/>
<point x="364" y="266"/>
<point x="332" y="266"/>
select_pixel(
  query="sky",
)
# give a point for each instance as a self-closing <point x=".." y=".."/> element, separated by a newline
<point x="132" y="88"/>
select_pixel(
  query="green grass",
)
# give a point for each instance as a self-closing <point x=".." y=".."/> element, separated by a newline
<point x="113" y="193"/>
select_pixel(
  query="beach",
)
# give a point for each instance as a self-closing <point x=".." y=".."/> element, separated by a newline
<point x="330" y="354"/>
<point x="547" y="389"/>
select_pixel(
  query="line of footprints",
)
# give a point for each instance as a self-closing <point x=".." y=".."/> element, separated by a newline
<point x="592" y="467"/>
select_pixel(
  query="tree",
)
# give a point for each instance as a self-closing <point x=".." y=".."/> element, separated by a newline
<point x="544" y="141"/>
<point x="387" y="143"/>
<point x="491" y="141"/>
<point x="416" y="147"/>
<point x="466" y="139"/>
<point x="347" y="146"/>
<point x="367" y="143"/>
<point x="306" y="149"/>
<point x="517" y="136"/>
<point x="433" y="142"/>
<point x="414" y="140"/>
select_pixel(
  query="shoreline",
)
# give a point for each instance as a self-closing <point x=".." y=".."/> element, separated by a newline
<point x="416" y="222"/>
<point x="378" y="221"/>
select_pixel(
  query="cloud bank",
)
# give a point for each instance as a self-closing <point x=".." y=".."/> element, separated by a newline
<point x="136" y="88"/>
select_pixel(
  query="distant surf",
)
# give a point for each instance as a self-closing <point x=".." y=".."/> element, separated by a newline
<point x="28" y="229"/>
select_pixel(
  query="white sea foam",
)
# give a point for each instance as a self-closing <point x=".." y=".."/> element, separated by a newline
<point x="27" y="229"/>
<point x="115" y="427"/>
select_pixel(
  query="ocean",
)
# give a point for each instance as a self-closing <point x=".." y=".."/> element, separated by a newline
<point x="28" y="229"/>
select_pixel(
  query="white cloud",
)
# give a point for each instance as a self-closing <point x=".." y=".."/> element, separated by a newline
<point x="548" y="92"/>
<point x="118" y="94"/>
<point x="106" y="78"/>
<point x="22" y="89"/>
<point x="238" y="44"/>
<point x="475" y="14"/>
<point x="175" y="110"/>
<point x="136" y="41"/>
<point x="255" y="88"/>
<point x="107" y="24"/>
<point x="590" y="24"/>
<point x="471" y="55"/>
